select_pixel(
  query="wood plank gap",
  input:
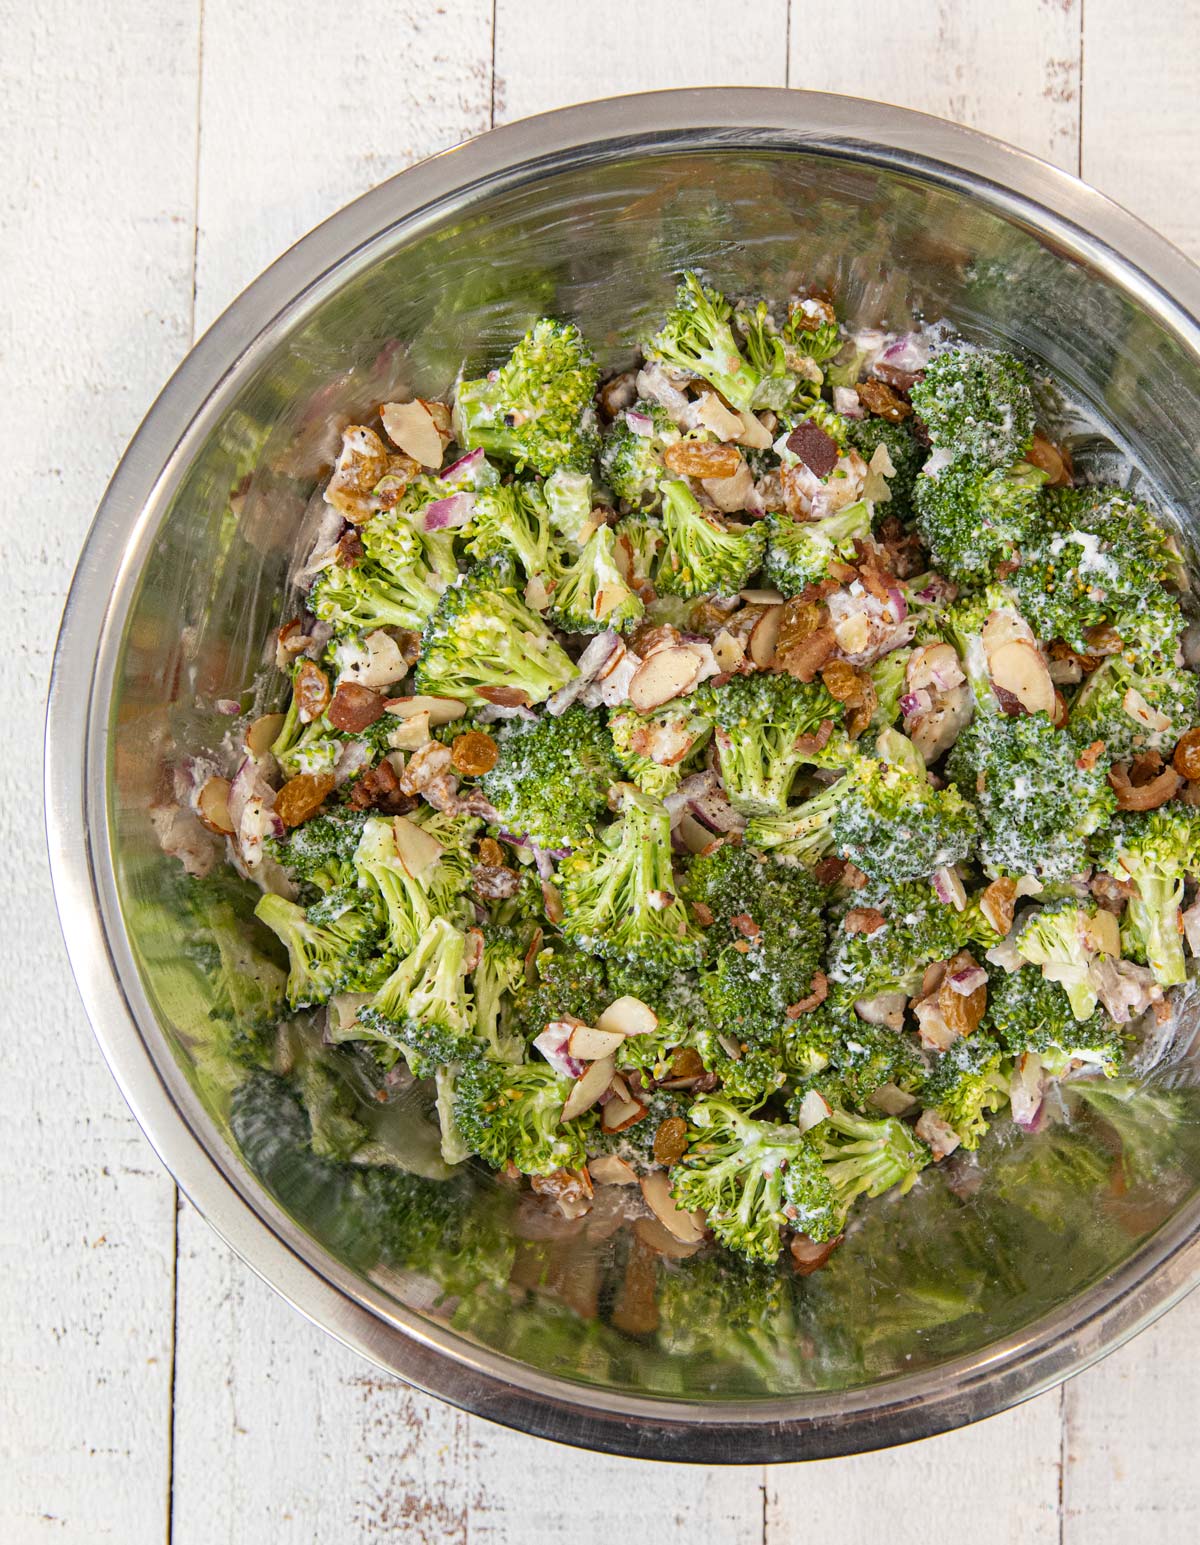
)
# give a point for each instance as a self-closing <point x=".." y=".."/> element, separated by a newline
<point x="1082" y="68"/>
<point x="170" y="1522"/>
<point x="195" y="232"/>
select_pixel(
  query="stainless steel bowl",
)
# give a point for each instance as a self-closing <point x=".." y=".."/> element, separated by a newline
<point x="586" y="211"/>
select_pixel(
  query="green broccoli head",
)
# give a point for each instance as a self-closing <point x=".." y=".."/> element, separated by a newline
<point x="865" y="1156"/>
<point x="655" y="748"/>
<point x="497" y="980"/>
<point x="552" y="778"/>
<point x="967" y="1083"/>
<point x="1156" y="849"/>
<point x="370" y="596"/>
<point x="972" y="518"/>
<point x="905" y="452"/>
<point x="697" y="337"/>
<point x="977" y="404"/>
<point x="768" y="353"/>
<point x="424" y="1008"/>
<point x="1134" y="706"/>
<point x="631" y="457"/>
<point x="702" y="555"/>
<point x="1027" y="1012"/>
<point x="618" y="890"/>
<point x="482" y="637"/>
<point x="802" y="832"/>
<point x="917" y="929"/>
<point x="319" y="854"/>
<point x="336" y="955"/>
<point x="1099" y="556"/>
<point x="537" y="409"/>
<point x="513" y="1115"/>
<point x="1036" y="806"/>
<point x="562" y="982"/>
<point x="571" y="507"/>
<point x="757" y="721"/>
<point x="857" y="1058"/>
<point x="1062" y="939"/>
<point x="799" y="552"/>
<point x="410" y="902"/>
<point x="512" y="519"/>
<point x="592" y="594"/>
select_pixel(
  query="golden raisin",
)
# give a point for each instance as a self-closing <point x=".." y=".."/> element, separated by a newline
<point x="686" y="1063"/>
<point x="963" y="1012"/>
<point x="879" y="398"/>
<point x="670" y="1141"/>
<point x="302" y="796"/>
<point x="1186" y="758"/>
<point x="474" y="752"/>
<point x="696" y="458"/>
<point x="490" y="852"/>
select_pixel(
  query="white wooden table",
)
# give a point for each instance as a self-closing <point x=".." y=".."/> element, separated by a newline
<point x="153" y="158"/>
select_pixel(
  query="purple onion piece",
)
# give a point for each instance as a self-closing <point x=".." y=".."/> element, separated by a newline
<point x="639" y="423"/>
<point x="910" y="703"/>
<point x="449" y="514"/>
<point x="845" y="400"/>
<point x="552" y="1045"/>
<point x="228" y="706"/>
<point x="899" y="604"/>
<point x="907" y="352"/>
<point x="468" y="463"/>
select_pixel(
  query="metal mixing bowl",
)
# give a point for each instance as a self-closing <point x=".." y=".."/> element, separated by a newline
<point x="589" y="212"/>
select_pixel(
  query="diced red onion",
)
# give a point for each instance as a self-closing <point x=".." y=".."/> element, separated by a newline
<point x="542" y="862"/>
<point x="969" y="980"/>
<point x="899" y="604"/>
<point x="949" y="888"/>
<point x="448" y="514"/>
<point x="228" y="706"/>
<point x="907" y="352"/>
<point x="913" y="703"/>
<point x="846" y="402"/>
<point x="468" y="464"/>
<point x="640" y="423"/>
<point x="552" y="1045"/>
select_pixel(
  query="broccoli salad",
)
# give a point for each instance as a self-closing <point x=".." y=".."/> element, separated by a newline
<point x="729" y="787"/>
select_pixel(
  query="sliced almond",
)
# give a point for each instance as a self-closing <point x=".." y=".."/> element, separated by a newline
<point x="813" y="1109"/>
<point x="755" y="435"/>
<point x="621" y="1113"/>
<point x="687" y="1227"/>
<point x="412" y="734"/>
<point x="728" y="651"/>
<point x="1004" y="627"/>
<point x="665" y="675"/>
<point x="588" y="1088"/>
<point x="853" y="633"/>
<point x="629" y="1016"/>
<point x="694" y="837"/>
<point x="262" y="734"/>
<point x="713" y="414"/>
<point x="659" y="1239"/>
<point x="590" y="1045"/>
<point x="441" y="710"/>
<point x="418" y="851"/>
<point x="1102" y="933"/>
<point x="1140" y="711"/>
<point x="411" y="428"/>
<point x="765" y="636"/>
<point x="537" y="597"/>
<point x="760" y="597"/>
<point x="212" y="806"/>
<point x="607" y="1170"/>
<point x="730" y="494"/>
<point x="1017" y="667"/>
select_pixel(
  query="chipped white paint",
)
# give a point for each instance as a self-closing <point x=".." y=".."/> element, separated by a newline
<point x="140" y="141"/>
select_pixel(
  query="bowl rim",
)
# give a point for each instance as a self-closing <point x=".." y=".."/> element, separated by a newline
<point x="822" y="1424"/>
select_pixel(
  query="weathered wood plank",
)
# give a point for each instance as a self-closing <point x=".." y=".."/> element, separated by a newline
<point x="550" y="54"/>
<point x="1010" y="69"/>
<point x="96" y="190"/>
<point x="1141" y="116"/>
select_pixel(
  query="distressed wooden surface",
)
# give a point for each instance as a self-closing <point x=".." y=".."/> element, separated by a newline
<point x="155" y="160"/>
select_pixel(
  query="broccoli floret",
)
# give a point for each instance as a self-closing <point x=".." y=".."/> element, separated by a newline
<point x="424" y="1008"/>
<point x="799" y="552"/>
<point x="973" y="518"/>
<point x="976" y="404"/>
<point x="618" y="890"/>
<point x="888" y="679"/>
<point x="320" y="853"/>
<point x="552" y="778"/>
<point x="638" y="540"/>
<point x="571" y="506"/>
<point x="767" y="352"/>
<point x="1155" y="849"/>
<point x="1036" y="806"/>
<point x="410" y="902"/>
<point x="482" y="637"/>
<point x="717" y="1308"/>
<point x="512" y="1115"/>
<point x="740" y="1171"/>
<point x="512" y="518"/>
<point x="966" y="1084"/>
<point x="323" y="958"/>
<point x="592" y="594"/>
<point x="907" y="456"/>
<point x="757" y="721"/>
<point x="498" y="977"/>
<point x="536" y="410"/>
<point x="656" y="747"/>
<point x="394" y="540"/>
<point x="803" y="832"/>
<point x="631" y="456"/>
<point x="918" y="929"/>
<point x="702" y="555"/>
<point x="1062" y="938"/>
<point x="811" y="330"/>
<point x="565" y="981"/>
<point x="1099" y="556"/>
<point x="1030" y="1013"/>
<point x="749" y="1077"/>
<point x="1124" y="704"/>
<point x="697" y="337"/>
<point x="851" y="1060"/>
<point x="865" y="1157"/>
<point x="369" y="596"/>
<point x="892" y="823"/>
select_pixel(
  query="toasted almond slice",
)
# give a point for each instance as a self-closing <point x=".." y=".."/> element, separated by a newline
<point x="1017" y="667"/>
<point x="665" y="675"/>
<point x="212" y="806"/>
<point x="607" y="1170"/>
<point x="1140" y="711"/>
<point x="410" y="428"/>
<point x="441" y="710"/>
<point x="714" y="415"/>
<point x="694" y="837"/>
<point x="853" y="633"/>
<point x="263" y="733"/>
<point x="687" y="1227"/>
<point x="730" y="494"/>
<point x="727" y="651"/>
<point x="590" y="1045"/>
<point x="755" y="435"/>
<point x="619" y="1114"/>
<point x="812" y="1110"/>
<point x="418" y="851"/>
<point x="1004" y="627"/>
<point x="659" y="1239"/>
<point x="412" y="734"/>
<point x="629" y="1016"/>
<point x="1102" y="933"/>
<point x="761" y="597"/>
<point x="935" y="666"/>
<point x="537" y="597"/>
<point x="588" y="1088"/>
<point x="764" y="637"/>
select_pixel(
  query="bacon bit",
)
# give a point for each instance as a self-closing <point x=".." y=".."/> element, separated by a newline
<point x="745" y="925"/>
<point x="815" y="740"/>
<point x="809" y="1256"/>
<point x="854" y="877"/>
<point x="829" y="870"/>
<point x="1144" y="796"/>
<point x="804" y="659"/>
<point x="877" y="580"/>
<point x="742" y="946"/>
<point x="879" y="398"/>
<point x="817" y="450"/>
<point x="302" y="796"/>
<point x="1186" y="757"/>
<point x="474" y="753"/>
<point x="505" y="697"/>
<point x="819" y="991"/>
<point x="349" y="550"/>
<point x="311" y="688"/>
<point x="1088" y="757"/>
<point x="902" y="380"/>
<point x="379" y="789"/>
<point x="703" y="914"/>
<point x="354" y="708"/>
<point x="906" y="556"/>
<point x="866" y="920"/>
<point x="844" y="573"/>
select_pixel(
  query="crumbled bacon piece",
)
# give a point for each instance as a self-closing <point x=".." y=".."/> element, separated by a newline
<point x="744" y="924"/>
<point x="379" y="789"/>
<point x="819" y="991"/>
<point x="1090" y="755"/>
<point x="354" y="708"/>
<point x="816" y="449"/>
<point x="866" y="920"/>
<point x="881" y="400"/>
